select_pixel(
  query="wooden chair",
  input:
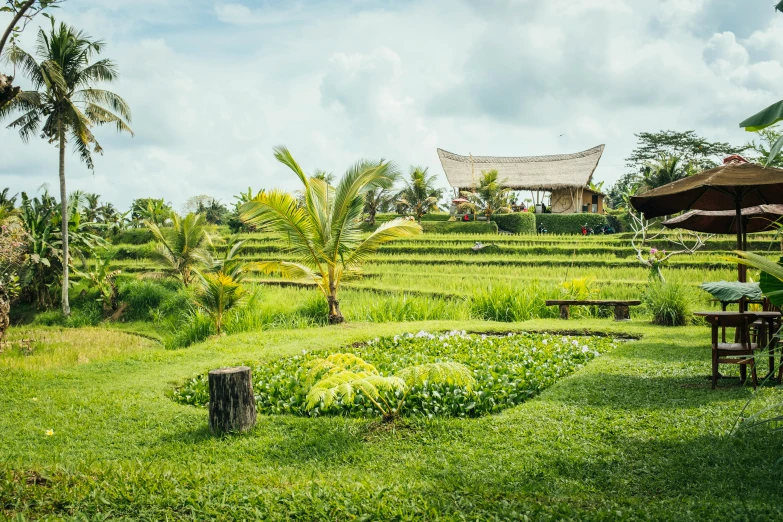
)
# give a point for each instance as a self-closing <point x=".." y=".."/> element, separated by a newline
<point x="739" y="352"/>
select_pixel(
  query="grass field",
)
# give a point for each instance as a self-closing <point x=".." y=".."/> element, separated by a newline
<point x="636" y="434"/>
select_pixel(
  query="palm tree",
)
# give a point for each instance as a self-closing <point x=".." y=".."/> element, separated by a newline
<point x="379" y="199"/>
<point x="324" y="233"/>
<point x="64" y="105"/>
<point x="182" y="246"/>
<point x="92" y="207"/>
<point x="419" y="196"/>
<point x="218" y="293"/>
<point x="665" y="170"/>
<point x="490" y="197"/>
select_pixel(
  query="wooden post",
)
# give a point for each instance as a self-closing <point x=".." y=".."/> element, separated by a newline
<point x="564" y="309"/>
<point x="621" y="313"/>
<point x="232" y="406"/>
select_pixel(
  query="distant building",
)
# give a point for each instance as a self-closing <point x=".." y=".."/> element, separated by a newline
<point x="564" y="178"/>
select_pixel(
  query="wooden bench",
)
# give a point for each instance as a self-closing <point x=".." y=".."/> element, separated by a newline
<point x="621" y="312"/>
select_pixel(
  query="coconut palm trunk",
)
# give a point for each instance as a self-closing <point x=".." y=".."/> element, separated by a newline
<point x="335" y="315"/>
<point x="64" y="223"/>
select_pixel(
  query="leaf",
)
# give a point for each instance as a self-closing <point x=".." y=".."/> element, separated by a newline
<point x="761" y="120"/>
<point x="774" y="151"/>
<point x="779" y="7"/>
<point x="732" y="291"/>
<point x="772" y="288"/>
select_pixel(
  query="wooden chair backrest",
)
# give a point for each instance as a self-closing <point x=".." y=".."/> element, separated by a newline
<point x="741" y="322"/>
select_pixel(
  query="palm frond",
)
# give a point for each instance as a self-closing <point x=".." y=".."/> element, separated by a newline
<point x="451" y="373"/>
<point x="389" y="231"/>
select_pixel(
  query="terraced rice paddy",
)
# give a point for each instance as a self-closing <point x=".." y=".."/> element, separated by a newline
<point x="441" y="273"/>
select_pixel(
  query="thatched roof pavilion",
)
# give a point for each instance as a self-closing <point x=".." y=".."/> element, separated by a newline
<point x="566" y="176"/>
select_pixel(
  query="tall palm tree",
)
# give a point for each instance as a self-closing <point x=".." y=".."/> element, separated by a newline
<point x="419" y="195"/>
<point x="324" y="233"/>
<point x="379" y="199"/>
<point x="490" y="197"/>
<point x="183" y="245"/>
<point x="65" y="105"/>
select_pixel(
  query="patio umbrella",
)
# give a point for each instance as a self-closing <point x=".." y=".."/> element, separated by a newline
<point x="760" y="218"/>
<point x="733" y="186"/>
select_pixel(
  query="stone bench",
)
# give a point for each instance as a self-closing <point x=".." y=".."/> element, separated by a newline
<point x="621" y="312"/>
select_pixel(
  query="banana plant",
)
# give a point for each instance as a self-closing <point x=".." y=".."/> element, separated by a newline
<point x="771" y="280"/>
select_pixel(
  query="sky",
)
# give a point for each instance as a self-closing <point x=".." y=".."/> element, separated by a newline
<point x="215" y="85"/>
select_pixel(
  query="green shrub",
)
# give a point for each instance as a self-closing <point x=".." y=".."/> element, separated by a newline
<point x="127" y="251"/>
<point x="569" y="223"/>
<point x="506" y="370"/>
<point x="460" y="227"/>
<point x="517" y="222"/>
<point x="192" y="327"/>
<point x="83" y="313"/>
<point x="147" y="300"/>
<point x="133" y="236"/>
<point x="669" y="303"/>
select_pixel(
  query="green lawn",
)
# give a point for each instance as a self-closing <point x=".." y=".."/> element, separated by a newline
<point x="635" y="435"/>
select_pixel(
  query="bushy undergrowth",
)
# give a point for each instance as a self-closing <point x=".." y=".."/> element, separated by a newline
<point x="147" y="300"/>
<point x="524" y="302"/>
<point x="507" y="371"/>
<point x="669" y="303"/>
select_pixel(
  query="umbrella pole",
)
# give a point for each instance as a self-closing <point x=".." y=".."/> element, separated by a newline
<point x="741" y="269"/>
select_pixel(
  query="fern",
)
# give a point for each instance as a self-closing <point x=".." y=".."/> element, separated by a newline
<point x="341" y="376"/>
<point x="451" y="373"/>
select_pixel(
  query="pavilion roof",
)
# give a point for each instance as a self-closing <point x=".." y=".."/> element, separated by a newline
<point x="523" y="172"/>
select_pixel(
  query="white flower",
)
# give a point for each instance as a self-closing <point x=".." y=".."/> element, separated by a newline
<point x="585" y="349"/>
<point x="545" y="341"/>
<point x="575" y="342"/>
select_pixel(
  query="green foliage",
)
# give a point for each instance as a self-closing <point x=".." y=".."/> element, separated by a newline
<point x="732" y="290"/>
<point x="419" y="196"/>
<point x="490" y="197"/>
<point x="218" y="293"/>
<point x="569" y="223"/>
<point x="506" y="303"/>
<point x="146" y="300"/>
<point x="669" y="303"/>
<point x="517" y="222"/>
<point x="664" y="170"/>
<point x="460" y="227"/>
<point x="691" y="148"/>
<point x="155" y="211"/>
<point x="324" y="231"/>
<point x="182" y="245"/>
<point x="426" y="374"/>
<point x="133" y="236"/>
<point x="766" y="149"/>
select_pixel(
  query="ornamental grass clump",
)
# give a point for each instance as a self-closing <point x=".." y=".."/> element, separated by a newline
<point x="669" y="303"/>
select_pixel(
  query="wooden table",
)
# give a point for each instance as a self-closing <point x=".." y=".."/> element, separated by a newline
<point x="769" y="318"/>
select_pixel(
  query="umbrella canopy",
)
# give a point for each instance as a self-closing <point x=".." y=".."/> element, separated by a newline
<point x="735" y="185"/>
<point x="754" y="219"/>
<point x="722" y="188"/>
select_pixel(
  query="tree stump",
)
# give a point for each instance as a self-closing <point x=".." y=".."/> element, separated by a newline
<point x="232" y="406"/>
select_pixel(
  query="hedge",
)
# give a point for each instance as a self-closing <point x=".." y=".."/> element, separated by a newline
<point x="516" y="223"/>
<point x="569" y="223"/>
<point x="460" y="227"/>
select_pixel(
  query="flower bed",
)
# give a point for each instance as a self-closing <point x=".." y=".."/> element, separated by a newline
<point x="507" y="371"/>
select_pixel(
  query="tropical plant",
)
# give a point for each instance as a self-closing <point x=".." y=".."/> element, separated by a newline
<point x="39" y="275"/>
<point x="490" y="197"/>
<point x="182" y="245"/>
<point x="379" y="199"/>
<point x="218" y="293"/>
<point x="65" y="106"/>
<point x="102" y="278"/>
<point x="419" y="195"/>
<point x="155" y="211"/>
<point x="92" y="208"/>
<point x="341" y="376"/>
<point x="23" y="12"/>
<point x="665" y="170"/>
<point x="324" y="234"/>
<point x="13" y="246"/>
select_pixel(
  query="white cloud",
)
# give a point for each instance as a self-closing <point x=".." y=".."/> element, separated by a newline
<point x="214" y="86"/>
